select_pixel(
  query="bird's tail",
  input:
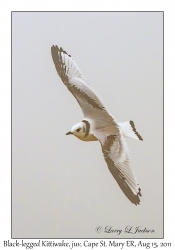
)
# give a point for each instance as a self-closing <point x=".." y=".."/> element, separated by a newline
<point x="128" y="129"/>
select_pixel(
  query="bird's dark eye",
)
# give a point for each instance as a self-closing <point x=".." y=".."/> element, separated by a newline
<point x="78" y="129"/>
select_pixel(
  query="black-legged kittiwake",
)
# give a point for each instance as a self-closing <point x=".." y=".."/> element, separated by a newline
<point x="99" y="125"/>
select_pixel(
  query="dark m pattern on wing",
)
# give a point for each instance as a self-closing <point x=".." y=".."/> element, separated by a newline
<point x="117" y="174"/>
<point x="61" y="69"/>
<point x="84" y="97"/>
<point x="59" y="65"/>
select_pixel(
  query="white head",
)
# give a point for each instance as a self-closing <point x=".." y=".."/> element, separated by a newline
<point x="79" y="130"/>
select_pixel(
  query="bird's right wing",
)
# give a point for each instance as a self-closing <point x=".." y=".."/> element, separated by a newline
<point x="116" y="155"/>
<point x="72" y="77"/>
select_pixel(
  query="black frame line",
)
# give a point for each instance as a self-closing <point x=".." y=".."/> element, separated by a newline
<point x="163" y="138"/>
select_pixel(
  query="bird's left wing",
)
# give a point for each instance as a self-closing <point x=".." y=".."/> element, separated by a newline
<point x="72" y="77"/>
<point x="116" y="155"/>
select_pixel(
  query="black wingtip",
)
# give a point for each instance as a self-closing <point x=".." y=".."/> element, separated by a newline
<point x="53" y="47"/>
<point x="137" y="200"/>
<point x="139" y="193"/>
<point x="134" y="198"/>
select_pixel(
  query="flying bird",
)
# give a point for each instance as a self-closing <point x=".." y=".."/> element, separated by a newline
<point x="99" y="125"/>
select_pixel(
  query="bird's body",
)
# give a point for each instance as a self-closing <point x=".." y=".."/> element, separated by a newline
<point x="90" y="137"/>
<point x="99" y="125"/>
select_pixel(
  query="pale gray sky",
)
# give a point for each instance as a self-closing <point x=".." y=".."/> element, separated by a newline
<point x="62" y="187"/>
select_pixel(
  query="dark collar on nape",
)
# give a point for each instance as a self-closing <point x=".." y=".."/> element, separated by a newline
<point x="87" y="127"/>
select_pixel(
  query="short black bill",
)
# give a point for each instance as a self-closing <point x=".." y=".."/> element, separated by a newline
<point x="69" y="133"/>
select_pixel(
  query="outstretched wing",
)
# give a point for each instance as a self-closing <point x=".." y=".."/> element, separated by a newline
<point x="72" y="77"/>
<point x="116" y="154"/>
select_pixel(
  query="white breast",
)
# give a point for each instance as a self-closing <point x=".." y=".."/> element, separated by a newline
<point x="90" y="137"/>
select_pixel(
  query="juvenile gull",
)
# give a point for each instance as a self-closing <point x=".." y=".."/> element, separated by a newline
<point x="99" y="125"/>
